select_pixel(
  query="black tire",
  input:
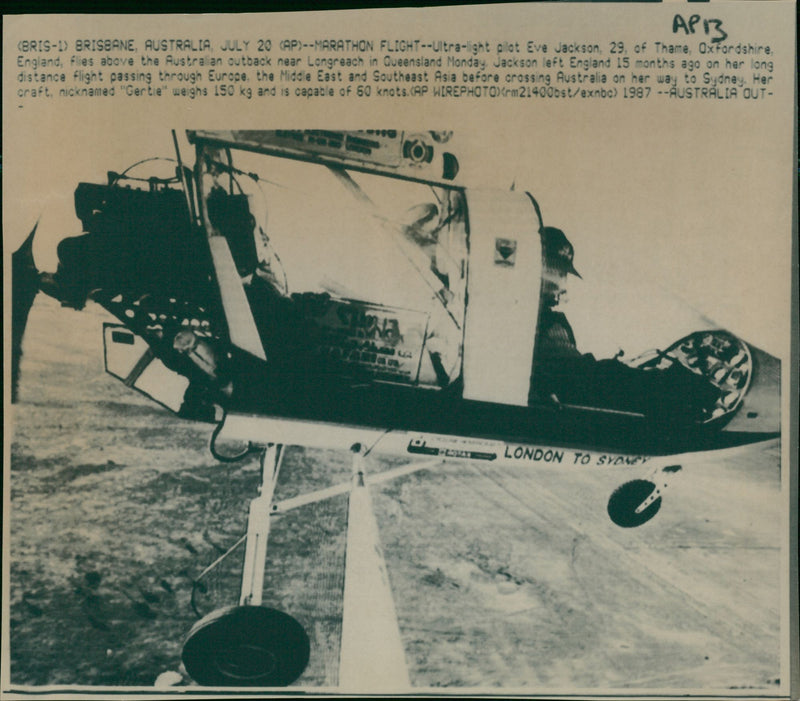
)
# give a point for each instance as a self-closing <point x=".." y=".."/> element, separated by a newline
<point x="246" y="646"/>
<point x="627" y="498"/>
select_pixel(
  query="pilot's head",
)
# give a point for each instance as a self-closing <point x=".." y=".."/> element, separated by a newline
<point x="558" y="255"/>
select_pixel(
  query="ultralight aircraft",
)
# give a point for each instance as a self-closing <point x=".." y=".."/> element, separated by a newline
<point x="219" y="322"/>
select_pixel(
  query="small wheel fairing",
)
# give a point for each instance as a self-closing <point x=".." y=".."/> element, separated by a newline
<point x="627" y="498"/>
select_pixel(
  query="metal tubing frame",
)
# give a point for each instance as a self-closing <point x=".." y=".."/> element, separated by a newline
<point x="661" y="484"/>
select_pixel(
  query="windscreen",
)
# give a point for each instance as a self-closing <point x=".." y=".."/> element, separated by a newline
<point x="388" y="254"/>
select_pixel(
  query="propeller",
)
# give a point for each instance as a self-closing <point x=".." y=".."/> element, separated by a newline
<point x="24" y="286"/>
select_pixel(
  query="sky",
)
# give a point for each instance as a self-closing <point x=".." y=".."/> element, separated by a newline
<point x="662" y="237"/>
<point x="669" y="203"/>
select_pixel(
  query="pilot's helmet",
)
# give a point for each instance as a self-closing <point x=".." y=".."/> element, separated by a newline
<point x="558" y="251"/>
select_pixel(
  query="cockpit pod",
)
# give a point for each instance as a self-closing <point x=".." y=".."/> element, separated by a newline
<point x="447" y="243"/>
<point x="414" y="327"/>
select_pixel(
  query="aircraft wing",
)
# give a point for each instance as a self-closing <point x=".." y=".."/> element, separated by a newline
<point x="411" y="156"/>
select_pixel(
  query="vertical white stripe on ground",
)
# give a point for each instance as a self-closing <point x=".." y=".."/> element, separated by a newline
<point x="372" y="654"/>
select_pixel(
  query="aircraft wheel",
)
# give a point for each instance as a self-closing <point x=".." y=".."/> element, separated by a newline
<point x="246" y="646"/>
<point x="627" y="498"/>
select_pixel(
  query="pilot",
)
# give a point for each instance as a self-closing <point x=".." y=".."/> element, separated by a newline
<point x="555" y="337"/>
<point x="562" y="373"/>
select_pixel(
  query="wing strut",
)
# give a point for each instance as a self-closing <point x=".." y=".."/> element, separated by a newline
<point x="238" y="316"/>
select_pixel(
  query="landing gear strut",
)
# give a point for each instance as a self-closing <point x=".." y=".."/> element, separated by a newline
<point x="250" y="644"/>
